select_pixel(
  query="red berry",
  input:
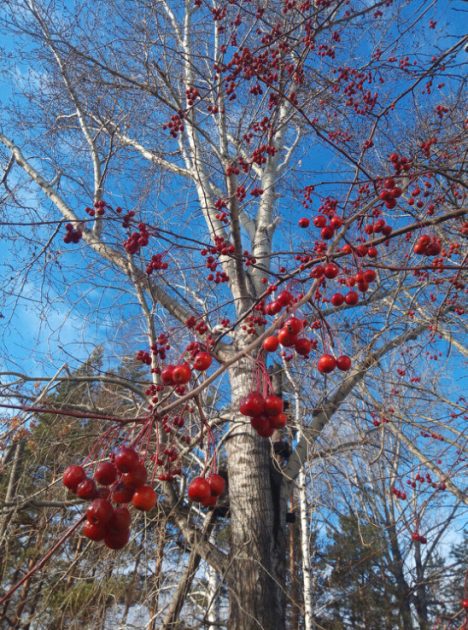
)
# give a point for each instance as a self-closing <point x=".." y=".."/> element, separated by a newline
<point x="274" y="308"/>
<point x="86" y="489"/>
<point x="252" y="405"/>
<point x="105" y="473"/>
<point x="167" y="375"/>
<point x="120" y="519"/>
<point x="304" y="222"/>
<point x="136" y="478"/>
<point x="326" y="364"/>
<point x="273" y="405"/>
<point x="271" y="344"/>
<point x="144" y="498"/>
<point x="331" y="270"/>
<point x="199" y="489"/>
<point x="343" y="363"/>
<point x="259" y="423"/>
<point x="303" y="346"/>
<point x="351" y="298"/>
<point x="122" y="493"/>
<point x="93" y="531"/>
<point x="266" y="429"/>
<point x="294" y="325"/>
<point x="100" y="512"/>
<point x="370" y="275"/>
<point x="73" y="476"/>
<point x="284" y="298"/>
<point x="126" y="459"/>
<point x="372" y="252"/>
<point x="286" y="338"/>
<point x="320" y="221"/>
<point x="337" y="299"/>
<point x="209" y="501"/>
<point x="217" y="484"/>
<point x="336" y="222"/>
<point x="327" y="233"/>
<point x="117" y="539"/>
<point x="181" y="374"/>
<point x="202" y="361"/>
<point x="465" y="603"/>
<point x="279" y="421"/>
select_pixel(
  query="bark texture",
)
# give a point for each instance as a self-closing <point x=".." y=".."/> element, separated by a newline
<point x="258" y="511"/>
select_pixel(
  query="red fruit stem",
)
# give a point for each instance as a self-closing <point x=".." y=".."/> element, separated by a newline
<point x="100" y="444"/>
<point x="43" y="560"/>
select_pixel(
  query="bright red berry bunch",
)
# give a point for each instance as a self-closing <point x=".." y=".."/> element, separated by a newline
<point x="288" y="337"/>
<point x="121" y="481"/>
<point x="266" y="413"/>
<point x="427" y="246"/>
<point x="390" y="193"/>
<point x="327" y="363"/>
<point x="137" y="240"/>
<point x="156" y="264"/>
<point x="206" y="490"/>
<point x="73" y="235"/>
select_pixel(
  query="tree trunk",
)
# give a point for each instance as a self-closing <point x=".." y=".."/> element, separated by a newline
<point x="258" y="514"/>
<point x="306" y="569"/>
<point x="401" y="584"/>
<point x="212" y="616"/>
<point x="420" y="595"/>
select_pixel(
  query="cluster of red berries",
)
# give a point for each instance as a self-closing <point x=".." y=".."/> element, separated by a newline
<point x="265" y="413"/>
<point x="327" y="363"/>
<point x="283" y="299"/>
<point x="351" y="298"/>
<point x="98" y="210"/>
<point x="72" y="235"/>
<point x="378" y="226"/>
<point x="327" y="231"/>
<point x="288" y="337"/>
<point x="362" y="279"/>
<point x="400" y="163"/>
<point x="206" y="490"/>
<point x="143" y="356"/>
<point x="329" y="271"/>
<point x="122" y="480"/>
<point x="136" y="240"/>
<point x="427" y="246"/>
<point x="400" y="494"/>
<point x="198" y="325"/>
<point x="418" y="538"/>
<point x="192" y="94"/>
<point x="390" y="193"/>
<point x="182" y="373"/>
<point x="127" y="218"/>
<point x="156" y="264"/>
<point x="168" y="458"/>
<point x="176" y="125"/>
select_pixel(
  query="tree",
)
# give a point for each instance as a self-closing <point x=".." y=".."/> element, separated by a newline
<point x="172" y="160"/>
